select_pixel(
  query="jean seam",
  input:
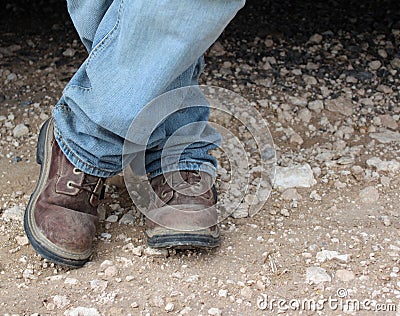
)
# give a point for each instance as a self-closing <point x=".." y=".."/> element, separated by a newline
<point x="99" y="48"/>
<point x="106" y="39"/>
<point x="75" y="86"/>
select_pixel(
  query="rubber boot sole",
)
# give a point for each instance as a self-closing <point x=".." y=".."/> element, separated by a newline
<point x="184" y="240"/>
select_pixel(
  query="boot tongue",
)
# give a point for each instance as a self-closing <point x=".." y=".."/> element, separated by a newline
<point x="189" y="183"/>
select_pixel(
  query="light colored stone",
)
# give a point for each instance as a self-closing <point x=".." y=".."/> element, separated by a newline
<point x="214" y="311"/>
<point x="314" y="195"/>
<point x="351" y="79"/>
<point x="112" y="219"/>
<point x="382" y="53"/>
<point x="127" y="219"/>
<point x="383" y="165"/>
<point x="296" y="139"/>
<point x="106" y="236"/>
<point x="294" y="176"/>
<point x="388" y="122"/>
<point x="110" y="271"/>
<point x="375" y="64"/>
<point x="15" y="213"/>
<point x="115" y="206"/>
<point x="305" y="115"/>
<point x="223" y="293"/>
<point x="69" y="52"/>
<point x="340" y="105"/>
<point x="369" y="194"/>
<point x="61" y="301"/>
<point x="324" y="255"/>
<point x="241" y="211"/>
<point x="217" y="49"/>
<point x="137" y="251"/>
<point x="98" y="285"/>
<point x="345" y="160"/>
<point x="386" y="136"/>
<point x="269" y="43"/>
<point x="345" y="275"/>
<point x="291" y="194"/>
<point x="297" y="101"/>
<point x="263" y="103"/>
<point x="101" y="212"/>
<point x="105" y="264"/>
<point x="22" y="240"/>
<point x="385" y="89"/>
<point x="43" y="116"/>
<point x="169" y="307"/>
<point x="316" y="106"/>
<point x="395" y="63"/>
<point x="152" y="252"/>
<point x="193" y="278"/>
<point x="71" y="281"/>
<point x="82" y="311"/>
<point x="312" y="66"/>
<point x="316" y="275"/>
<point x="285" y="212"/>
<point x="20" y="130"/>
<point x="12" y="76"/>
<point x="129" y="278"/>
<point x="310" y="80"/>
<point x="186" y="311"/>
<point x="357" y="170"/>
<point x="316" y="38"/>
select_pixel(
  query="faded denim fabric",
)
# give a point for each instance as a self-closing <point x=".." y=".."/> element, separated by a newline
<point x="138" y="50"/>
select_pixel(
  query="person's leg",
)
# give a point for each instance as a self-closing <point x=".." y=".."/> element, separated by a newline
<point x="86" y="16"/>
<point x="141" y="48"/>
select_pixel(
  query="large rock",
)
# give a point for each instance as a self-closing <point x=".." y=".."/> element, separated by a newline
<point x="340" y="105"/>
<point x="20" y="130"/>
<point x="297" y="101"/>
<point x="386" y="136"/>
<point x="383" y="165"/>
<point x="295" y="176"/>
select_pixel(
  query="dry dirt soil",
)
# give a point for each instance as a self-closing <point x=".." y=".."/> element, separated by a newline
<point x="329" y="249"/>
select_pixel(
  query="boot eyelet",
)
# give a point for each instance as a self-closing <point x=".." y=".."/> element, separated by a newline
<point x="163" y="194"/>
<point x="70" y="185"/>
<point x="77" y="171"/>
<point x="163" y="181"/>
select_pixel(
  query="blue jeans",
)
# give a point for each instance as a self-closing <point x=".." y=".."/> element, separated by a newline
<point x="138" y="50"/>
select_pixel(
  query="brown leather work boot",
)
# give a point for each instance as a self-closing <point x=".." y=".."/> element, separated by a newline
<point x="61" y="217"/>
<point x="182" y="211"/>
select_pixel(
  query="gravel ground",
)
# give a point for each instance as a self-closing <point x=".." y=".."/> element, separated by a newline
<point x="325" y="76"/>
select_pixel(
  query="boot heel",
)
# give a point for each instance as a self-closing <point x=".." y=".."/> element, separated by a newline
<point x="41" y="143"/>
